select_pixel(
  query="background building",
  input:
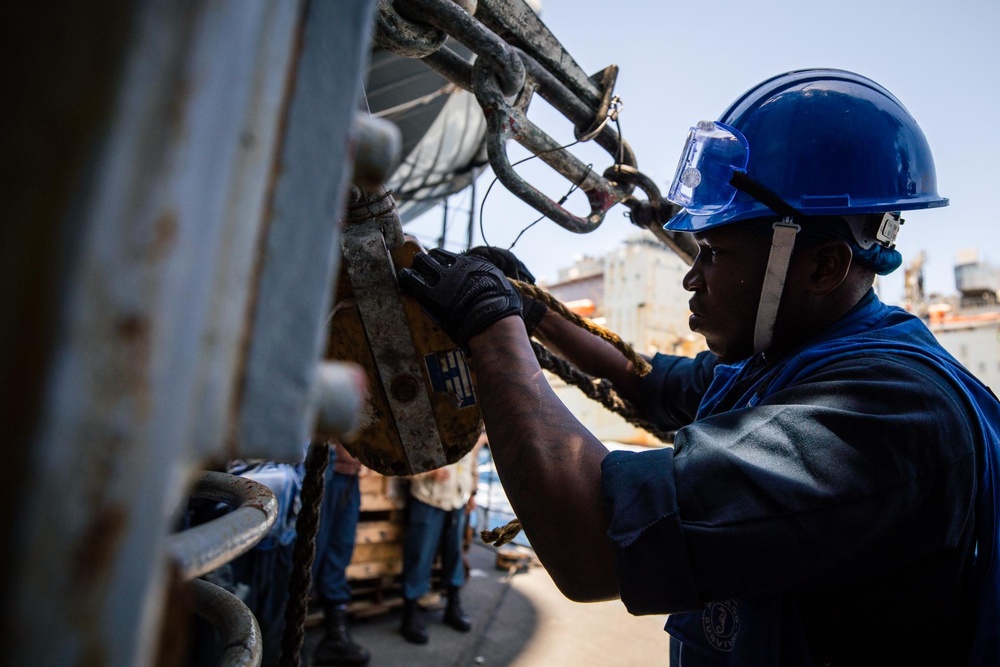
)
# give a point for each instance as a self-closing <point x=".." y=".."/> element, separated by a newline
<point x="634" y="290"/>
<point x="968" y="323"/>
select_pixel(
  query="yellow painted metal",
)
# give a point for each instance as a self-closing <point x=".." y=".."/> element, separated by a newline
<point x="377" y="443"/>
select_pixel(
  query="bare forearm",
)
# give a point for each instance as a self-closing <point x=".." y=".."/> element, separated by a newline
<point x="591" y="354"/>
<point x="548" y="462"/>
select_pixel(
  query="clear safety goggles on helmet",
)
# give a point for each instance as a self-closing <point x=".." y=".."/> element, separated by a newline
<point x="712" y="154"/>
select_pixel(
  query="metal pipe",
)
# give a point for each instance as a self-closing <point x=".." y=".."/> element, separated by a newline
<point x="238" y="630"/>
<point x="505" y="122"/>
<point x="341" y="390"/>
<point x="377" y="150"/>
<point x="521" y="27"/>
<point x="574" y="108"/>
<point x="653" y="213"/>
<point x="451" y="66"/>
<point x="203" y="548"/>
<point x="490" y="48"/>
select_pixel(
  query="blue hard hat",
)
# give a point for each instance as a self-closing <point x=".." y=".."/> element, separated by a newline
<point x="823" y="141"/>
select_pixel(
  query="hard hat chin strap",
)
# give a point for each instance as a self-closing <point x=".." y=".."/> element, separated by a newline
<point x="782" y="244"/>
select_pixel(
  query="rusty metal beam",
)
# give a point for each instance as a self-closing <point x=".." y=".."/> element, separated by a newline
<point x="176" y="283"/>
<point x="301" y="252"/>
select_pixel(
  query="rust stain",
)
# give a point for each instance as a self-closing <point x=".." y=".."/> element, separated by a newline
<point x="164" y="235"/>
<point x="176" y="107"/>
<point x="133" y="328"/>
<point x="600" y="199"/>
<point x="135" y="332"/>
<point x="97" y="546"/>
<point x="175" y="631"/>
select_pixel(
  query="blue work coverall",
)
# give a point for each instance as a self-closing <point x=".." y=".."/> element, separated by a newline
<point x="835" y="506"/>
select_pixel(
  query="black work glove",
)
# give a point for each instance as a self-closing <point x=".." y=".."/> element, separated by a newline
<point x="532" y="311"/>
<point x="504" y="260"/>
<point x="464" y="294"/>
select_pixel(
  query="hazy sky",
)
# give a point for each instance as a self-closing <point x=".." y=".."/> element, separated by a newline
<point x="684" y="62"/>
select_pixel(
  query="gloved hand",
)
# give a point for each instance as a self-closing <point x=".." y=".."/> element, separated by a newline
<point x="532" y="311"/>
<point x="463" y="293"/>
<point x="504" y="260"/>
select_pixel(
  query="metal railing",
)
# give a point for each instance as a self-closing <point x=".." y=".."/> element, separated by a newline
<point x="201" y="549"/>
<point x="238" y="630"/>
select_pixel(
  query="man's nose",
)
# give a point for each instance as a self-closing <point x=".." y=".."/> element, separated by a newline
<point x="693" y="279"/>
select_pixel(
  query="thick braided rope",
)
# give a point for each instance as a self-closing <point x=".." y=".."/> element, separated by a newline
<point x="501" y="536"/>
<point x="642" y="366"/>
<point x="300" y="581"/>
<point x="597" y="389"/>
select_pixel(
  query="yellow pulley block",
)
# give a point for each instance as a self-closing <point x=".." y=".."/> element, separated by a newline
<point x="422" y="411"/>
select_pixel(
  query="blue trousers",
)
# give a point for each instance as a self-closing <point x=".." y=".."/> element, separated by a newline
<point x="429" y="530"/>
<point x="267" y="572"/>
<point x="338" y="522"/>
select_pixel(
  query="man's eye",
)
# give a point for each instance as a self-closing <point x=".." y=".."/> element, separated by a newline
<point x="706" y="252"/>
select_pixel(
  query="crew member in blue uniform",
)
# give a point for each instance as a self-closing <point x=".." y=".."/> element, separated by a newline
<point x="831" y="497"/>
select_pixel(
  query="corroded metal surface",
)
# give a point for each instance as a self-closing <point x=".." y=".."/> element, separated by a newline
<point x="457" y="22"/>
<point x="521" y="27"/>
<point x="405" y="38"/>
<point x="239" y="632"/>
<point x="373" y="279"/>
<point x="203" y="548"/>
<point x="505" y="122"/>
<point x="301" y="251"/>
<point x="170" y="265"/>
<point x="196" y="287"/>
<point x="422" y="412"/>
<point x="517" y="56"/>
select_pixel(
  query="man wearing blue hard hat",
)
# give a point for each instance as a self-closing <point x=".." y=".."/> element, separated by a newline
<point x="831" y="497"/>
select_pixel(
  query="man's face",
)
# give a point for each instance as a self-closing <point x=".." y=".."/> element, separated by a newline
<point x="726" y="279"/>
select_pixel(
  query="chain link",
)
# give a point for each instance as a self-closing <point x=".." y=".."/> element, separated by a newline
<point x="517" y="56"/>
<point x="405" y="38"/>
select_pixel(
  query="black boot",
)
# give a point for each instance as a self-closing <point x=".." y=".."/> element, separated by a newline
<point x="337" y="647"/>
<point x="413" y="627"/>
<point x="453" y="614"/>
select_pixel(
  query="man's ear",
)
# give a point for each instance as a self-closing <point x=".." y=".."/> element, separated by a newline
<point x="829" y="262"/>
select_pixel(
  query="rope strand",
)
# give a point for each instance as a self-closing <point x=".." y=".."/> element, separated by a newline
<point x="642" y="366"/>
<point x="598" y="389"/>
<point x="501" y="536"/>
<point x="306" y="526"/>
